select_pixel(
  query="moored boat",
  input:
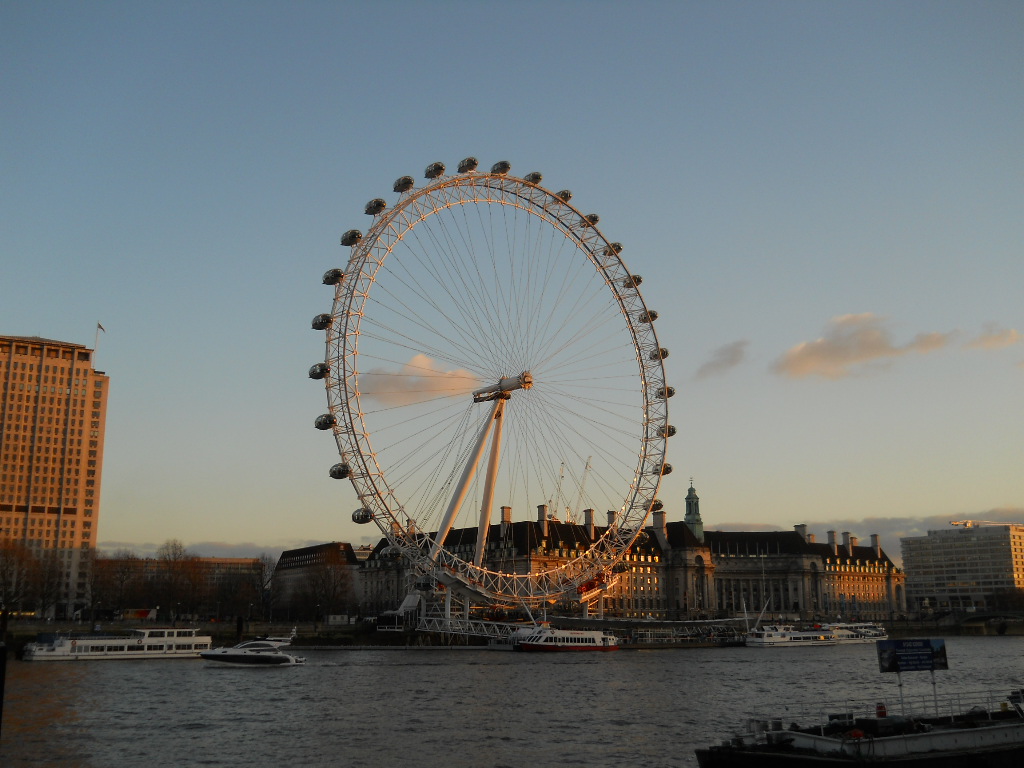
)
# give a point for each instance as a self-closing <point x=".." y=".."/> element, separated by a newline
<point x="788" y="636"/>
<point x="863" y="632"/>
<point x="983" y="731"/>
<point x="148" y="643"/>
<point x="545" y="639"/>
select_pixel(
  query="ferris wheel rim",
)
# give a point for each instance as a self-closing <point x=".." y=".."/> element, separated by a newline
<point x="368" y="256"/>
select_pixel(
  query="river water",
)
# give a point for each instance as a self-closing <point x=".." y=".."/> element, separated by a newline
<point x="460" y="708"/>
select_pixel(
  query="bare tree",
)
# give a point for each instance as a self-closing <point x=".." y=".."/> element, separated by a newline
<point x="47" y="579"/>
<point x="327" y="588"/>
<point x="16" y="562"/>
<point x="263" y="582"/>
<point x="124" y="573"/>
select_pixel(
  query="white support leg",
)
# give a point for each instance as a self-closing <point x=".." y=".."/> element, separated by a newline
<point x="463" y="487"/>
<point x="492" y="476"/>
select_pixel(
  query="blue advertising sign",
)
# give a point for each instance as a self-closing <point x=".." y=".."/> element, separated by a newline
<point x="911" y="655"/>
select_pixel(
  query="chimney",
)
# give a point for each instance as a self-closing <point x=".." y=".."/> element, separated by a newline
<point x="832" y="542"/>
<point x="542" y="518"/>
<point x="846" y="543"/>
<point x="660" y="518"/>
<point x="811" y="538"/>
<point x="506" y="521"/>
<point x="853" y="543"/>
<point x="876" y="546"/>
<point x="588" y="522"/>
<point x="802" y="530"/>
<point x="611" y="518"/>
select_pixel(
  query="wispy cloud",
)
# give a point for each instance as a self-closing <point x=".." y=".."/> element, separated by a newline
<point x="996" y="338"/>
<point x="419" y="380"/>
<point x="723" y="359"/>
<point x="849" y="342"/>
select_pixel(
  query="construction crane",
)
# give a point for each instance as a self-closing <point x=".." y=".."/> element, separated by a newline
<point x="579" y="496"/>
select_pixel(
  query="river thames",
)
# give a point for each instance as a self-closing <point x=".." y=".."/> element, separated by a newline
<point x="455" y="708"/>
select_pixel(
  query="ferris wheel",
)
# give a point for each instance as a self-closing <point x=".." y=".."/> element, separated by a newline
<point x="489" y="359"/>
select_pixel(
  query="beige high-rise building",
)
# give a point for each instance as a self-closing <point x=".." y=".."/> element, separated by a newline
<point x="53" y="407"/>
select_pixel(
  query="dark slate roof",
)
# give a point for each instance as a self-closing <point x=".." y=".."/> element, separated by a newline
<point x="756" y="542"/>
<point x="783" y="542"/>
<point x="525" y="536"/>
<point x="680" y="536"/>
<point x="334" y="551"/>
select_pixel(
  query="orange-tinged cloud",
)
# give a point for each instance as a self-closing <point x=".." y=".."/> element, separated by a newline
<point x="996" y="338"/>
<point x="851" y="341"/>
<point x="419" y="380"/>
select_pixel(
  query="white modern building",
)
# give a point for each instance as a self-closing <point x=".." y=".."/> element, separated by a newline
<point x="972" y="565"/>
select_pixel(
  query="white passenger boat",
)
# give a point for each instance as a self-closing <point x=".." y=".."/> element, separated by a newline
<point x="544" y="638"/>
<point x="149" y="643"/>
<point x="255" y="653"/>
<point x="856" y="633"/>
<point x="788" y="636"/>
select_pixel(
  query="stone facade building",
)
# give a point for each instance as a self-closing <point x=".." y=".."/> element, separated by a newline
<point x="678" y="571"/>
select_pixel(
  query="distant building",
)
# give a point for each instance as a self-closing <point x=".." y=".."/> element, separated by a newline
<point x="727" y="573"/>
<point x="317" y="581"/>
<point x="974" y="565"/>
<point x="679" y="571"/>
<point x="53" y="407"/>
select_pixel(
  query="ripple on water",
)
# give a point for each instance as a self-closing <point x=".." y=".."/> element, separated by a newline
<point x="446" y="709"/>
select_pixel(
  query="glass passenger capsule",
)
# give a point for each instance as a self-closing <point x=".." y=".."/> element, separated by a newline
<point x="362" y="516"/>
<point x="325" y="421"/>
<point x="333" y="276"/>
<point x="375" y="206"/>
<point x="403" y="184"/>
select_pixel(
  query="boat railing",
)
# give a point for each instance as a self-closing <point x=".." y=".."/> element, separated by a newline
<point x="925" y="707"/>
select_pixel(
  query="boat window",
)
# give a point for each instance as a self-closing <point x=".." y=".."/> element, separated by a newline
<point x="154" y="647"/>
<point x="157" y="633"/>
<point x="115" y="648"/>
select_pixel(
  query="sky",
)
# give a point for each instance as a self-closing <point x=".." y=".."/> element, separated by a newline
<point x="826" y="199"/>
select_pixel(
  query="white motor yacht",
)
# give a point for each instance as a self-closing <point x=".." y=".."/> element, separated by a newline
<point x="259" y="653"/>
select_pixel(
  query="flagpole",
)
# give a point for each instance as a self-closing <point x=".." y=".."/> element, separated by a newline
<point x="96" y="345"/>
